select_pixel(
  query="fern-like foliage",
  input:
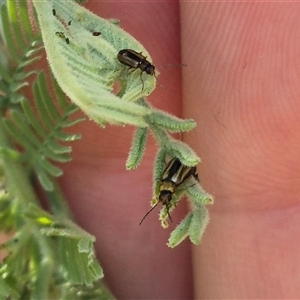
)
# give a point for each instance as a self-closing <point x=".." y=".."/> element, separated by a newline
<point x="33" y="141"/>
<point x="38" y="130"/>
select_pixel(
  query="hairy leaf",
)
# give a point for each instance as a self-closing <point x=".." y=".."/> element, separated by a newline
<point x="86" y="66"/>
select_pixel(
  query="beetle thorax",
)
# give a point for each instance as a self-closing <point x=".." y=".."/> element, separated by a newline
<point x="147" y="67"/>
<point x="168" y="185"/>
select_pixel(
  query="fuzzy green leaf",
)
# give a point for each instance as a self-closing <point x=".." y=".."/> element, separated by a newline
<point x="86" y="66"/>
<point x="159" y="166"/>
<point x="197" y="194"/>
<point x="181" y="150"/>
<point x="137" y="150"/>
<point x="181" y="232"/>
<point x="79" y="267"/>
<point x="199" y="222"/>
<point x="193" y="225"/>
<point x="86" y="244"/>
<point x="170" y="122"/>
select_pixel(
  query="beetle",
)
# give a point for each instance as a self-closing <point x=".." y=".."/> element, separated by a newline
<point x="135" y="60"/>
<point x="174" y="174"/>
<point x="54" y="12"/>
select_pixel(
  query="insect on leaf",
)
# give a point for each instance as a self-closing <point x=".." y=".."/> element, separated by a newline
<point x="86" y="66"/>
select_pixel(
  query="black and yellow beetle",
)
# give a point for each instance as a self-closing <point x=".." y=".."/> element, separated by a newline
<point x="174" y="174"/>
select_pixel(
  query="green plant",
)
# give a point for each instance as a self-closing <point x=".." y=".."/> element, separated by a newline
<point x="32" y="139"/>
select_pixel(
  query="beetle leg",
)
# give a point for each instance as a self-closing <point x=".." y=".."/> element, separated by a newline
<point x="167" y="208"/>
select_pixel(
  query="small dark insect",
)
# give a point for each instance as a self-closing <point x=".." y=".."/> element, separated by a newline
<point x="54" y="12"/>
<point x="135" y="60"/>
<point x="174" y="174"/>
<point x="96" y="33"/>
<point x="69" y="23"/>
<point x="62" y="36"/>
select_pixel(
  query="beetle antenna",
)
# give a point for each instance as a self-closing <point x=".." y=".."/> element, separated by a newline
<point x="148" y="213"/>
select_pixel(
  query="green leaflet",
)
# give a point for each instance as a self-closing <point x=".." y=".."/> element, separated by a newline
<point x="21" y="54"/>
<point x="38" y="134"/>
<point x="137" y="149"/>
<point x="30" y="136"/>
<point x="86" y="66"/>
<point x="170" y="122"/>
<point x="181" y="232"/>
